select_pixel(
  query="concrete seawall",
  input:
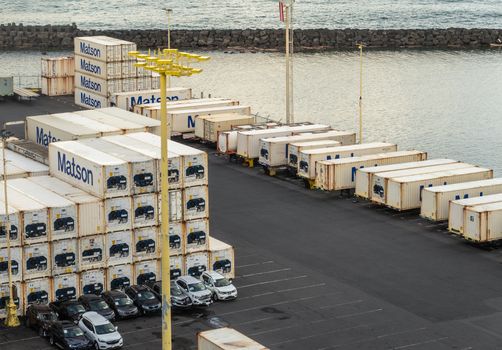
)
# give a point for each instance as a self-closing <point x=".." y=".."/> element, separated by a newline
<point x="18" y="36"/>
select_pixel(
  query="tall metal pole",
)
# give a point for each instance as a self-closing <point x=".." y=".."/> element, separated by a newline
<point x="168" y="12"/>
<point x="361" y="45"/>
<point x="291" y="87"/>
<point x="12" y="319"/>
<point x="288" y="71"/>
<point x="164" y="223"/>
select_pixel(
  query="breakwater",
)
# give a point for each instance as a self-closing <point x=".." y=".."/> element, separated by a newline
<point x="18" y="36"/>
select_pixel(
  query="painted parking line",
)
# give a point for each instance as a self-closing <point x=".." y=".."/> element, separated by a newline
<point x="18" y="340"/>
<point x="319" y="335"/>
<point x="273" y="281"/>
<point x="421" y="343"/>
<point x="141" y="343"/>
<point x="341" y="304"/>
<point x="255" y="264"/>
<point x="360" y="313"/>
<point x="283" y="291"/>
<point x="263" y="273"/>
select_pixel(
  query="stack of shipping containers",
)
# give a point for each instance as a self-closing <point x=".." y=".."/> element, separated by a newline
<point x="58" y="76"/>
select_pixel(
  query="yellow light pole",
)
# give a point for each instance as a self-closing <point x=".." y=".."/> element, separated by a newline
<point x="11" y="320"/>
<point x="289" y="38"/>
<point x="168" y="12"/>
<point x="361" y="45"/>
<point x="168" y="63"/>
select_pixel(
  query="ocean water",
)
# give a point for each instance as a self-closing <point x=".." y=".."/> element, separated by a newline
<point x="97" y="14"/>
<point x="448" y="103"/>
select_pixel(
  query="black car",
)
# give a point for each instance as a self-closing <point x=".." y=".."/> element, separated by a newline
<point x="14" y="266"/>
<point x="119" y="250"/>
<point x="39" y="317"/>
<point x="40" y="296"/>
<point x="118" y="182"/>
<point x="147" y="212"/>
<point x="196" y="271"/>
<point x="195" y="170"/>
<point x="143" y="180"/>
<point x="174" y="242"/>
<point x="178" y="299"/>
<point x="120" y="303"/>
<point x="66" y="293"/>
<point x="68" y="336"/>
<point x="120" y="215"/>
<point x="93" y="288"/>
<point x="144" y="299"/>
<point x="120" y="283"/>
<point x="13" y="232"/>
<point x="145" y="277"/>
<point x="66" y="224"/>
<point x="222" y="266"/>
<point x="36" y="263"/>
<point x="196" y="237"/>
<point x="148" y="245"/>
<point x="70" y="310"/>
<point x="93" y="254"/>
<point x="35" y="230"/>
<point x="96" y="303"/>
<point x="199" y="204"/>
<point x="65" y="259"/>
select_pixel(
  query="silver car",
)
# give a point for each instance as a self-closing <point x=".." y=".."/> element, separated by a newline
<point x="222" y="288"/>
<point x="195" y="290"/>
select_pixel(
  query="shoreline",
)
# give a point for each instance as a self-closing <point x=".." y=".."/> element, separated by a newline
<point x="27" y="37"/>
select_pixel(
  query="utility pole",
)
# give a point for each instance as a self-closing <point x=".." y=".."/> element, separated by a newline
<point x="286" y="15"/>
<point x="361" y="45"/>
<point x="168" y="12"/>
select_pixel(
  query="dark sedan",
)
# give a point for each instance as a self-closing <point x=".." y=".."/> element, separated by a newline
<point x="144" y="299"/>
<point x="120" y="303"/>
<point x="96" y="303"/>
<point x="70" y="310"/>
<point x="68" y="336"/>
<point x="39" y="317"/>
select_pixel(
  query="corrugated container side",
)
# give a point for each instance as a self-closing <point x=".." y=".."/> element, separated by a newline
<point x="177" y="240"/>
<point x="196" y="236"/>
<point x="145" y="208"/>
<point x="37" y="291"/>
<point x="15" y="230"/>
<point x="456" y="210"/>
<point x="224" y="338"/>
<point x="195" y="203"/>
<point x="91" y="252"/>
<point x="118" y="214"/>
<point x="175" y="205"/>
<point x="177" y="266"/>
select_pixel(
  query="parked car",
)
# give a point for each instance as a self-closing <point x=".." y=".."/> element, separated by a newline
<point x="100" y="331"/>
<point x="39" y="317"/>
<point x="96" y="303"/>
<point x="68" y="336"/>
<point x="120" y="303"/>
<point x="70" y="310"/>
<point x="195" y="290"/>
<point x="178" y="299"/>
<point x="222" y="288"/>
<point x="144" y="299"/>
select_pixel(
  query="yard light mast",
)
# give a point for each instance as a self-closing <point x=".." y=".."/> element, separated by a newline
<point x="361" y="46"/>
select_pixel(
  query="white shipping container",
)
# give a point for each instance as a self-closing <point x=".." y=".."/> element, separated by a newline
<point x="176" y="264"/>
<point x="100" y="48"/>
<point x="98" y="69"/>
<point x="153" y="111"/>
<point x="227" y="141"/>
<point x="101" y="86"/>
<point x="63" y="218"/>
<point x="436" y="200"/>
<point x="16" y="264"/>
<point x="364" y="176"/>
<point x="30" y="166"/>
<point x="406" y="192"/>
<point x="221" y="257"/>
<point x="196" y="235"/>
<point x="36" y="261"/>
<point x="295" y="148"/>
<point x="92" y="282"/>
<point x="379" y="181"/>
<point x="15" y="226"/>
<point x="209" y="127"/>
<point x="118" y="214"/>
<point x="340" y="174"/>
<point x="145" y="210"/>
<point x="224" y="339"/>
<point x="142" y="168"/>
<point x="150" y="125"/>
<point x="143" y="82"/>
<point x="188" y="103"/>
<point x="90" y="100"/>
<point x="308" y="158"/>
<point x="119" y="276"/>
<point x="126" y="46"/>
<point x="101" y="116"/>
<point x="248" y="142"/>
<point x="127" y="100"/>
<point x="58" y="66"/>
<point x="175" y="205"/>
<point x="34" y="216"/>
<point x="195" y="203"/>
<point x="91" y="252"/>
<point x="80" y="120"/>
<point x="65" y="287"/>
<point x="457" y="207"/>
<point x="90" y="209"/>
<point x="483" y="223"/>
<point x="5" y="296"/>
<point x="59" y="86"/>
<point x="118" y="248"/>
<point x="147" y="270"/>
<point x="37" y="291"/>
<point x="196" y="263"/>
<point x="91" y="170"/>
<point x="176" y="238"/>
<point x="146" y="243"/>
<point x="64" y="256"/>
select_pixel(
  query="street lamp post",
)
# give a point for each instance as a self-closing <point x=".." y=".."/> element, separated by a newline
<point x="168" y="12"/>
<point x="287" y="7"/>
<point x="168" y="63"/>
<point x="361" y="45"/>
<point x="11" y="320"/>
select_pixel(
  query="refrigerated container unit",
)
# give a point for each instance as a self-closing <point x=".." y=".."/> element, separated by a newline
<point x="31" y="167"/>
<point x="146" y="243"/>
<point x="209" y="127"/>
<point x="142" y="169"/>
<point x="36" y="261"/>
<point x="174" y="160"/>
<point x="405" y="193"/>
<point x="196" y="264"/>
<point x="34" y="217"/>
<point x="457" y="208"/>
<point x="149" y="124"/>
<point x="340" y="174"/>
<point x="92" y="282"/>
<point x="176" y="266"/>
<point x="146" y="271"/>
<point x="145" y="210"/>
<point x="153" y="111"/>
<point x="308" y="158"/>
<point x="63" y="219"/>
<point x="119" y="248"/>
<point x="379" y="181"/>
<point x="102" y="117"/>
<point x="224" y="339"/>
<point x="90" y="100"/>
<point x="295" y="148"/>
<point x="177" y="240"/>
<point x="483" y="223"/>
<point x="37" y="291"/>
<point x="65" y="287"/>
<point x="127" y="100"/>
<point x="196" y="236"/>
<point x="119" y="277"/>
<point x="16" y="264"/>
<point x="91" y="252"/>
<point x="64" y="256"/>
<point x="15" y="222"/>
<point x="195" y="203"/>
<point x="436" y="200"/>
<point x="248" y="142"/>
<point x="221" y="258"/>
<point x="91" y="170"/>
<point x="104" y="48"/>
<point x="5" y="297"/>
<point x="119" y="214"/>
<point x="90" y="209"/>
<point x="364" y="176"/>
